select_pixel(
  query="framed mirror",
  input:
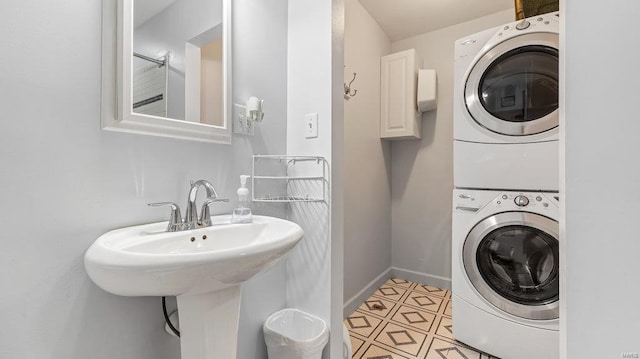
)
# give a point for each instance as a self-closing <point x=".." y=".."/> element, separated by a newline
<point x="166" y="68"/>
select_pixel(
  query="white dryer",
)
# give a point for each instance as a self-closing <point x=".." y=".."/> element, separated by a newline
<point x="506" y="106"/>
<point x="505" y="272"/>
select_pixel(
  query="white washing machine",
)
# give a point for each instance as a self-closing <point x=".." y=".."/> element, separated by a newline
<point x="505" y="272"/>
<point x="506" y="106"/>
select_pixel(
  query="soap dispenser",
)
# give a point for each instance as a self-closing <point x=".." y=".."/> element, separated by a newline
<point x="242" y="213"/>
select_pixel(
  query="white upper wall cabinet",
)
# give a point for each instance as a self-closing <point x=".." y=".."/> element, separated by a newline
<point x="399" y="117"/>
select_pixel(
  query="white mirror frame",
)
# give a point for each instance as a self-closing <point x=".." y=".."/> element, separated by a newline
<point x="116" y="111"/>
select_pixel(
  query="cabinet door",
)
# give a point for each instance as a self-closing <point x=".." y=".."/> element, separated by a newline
<point x="399" y="118"/>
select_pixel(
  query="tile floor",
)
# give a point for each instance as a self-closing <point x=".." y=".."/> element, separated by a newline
<point x="405" y="320"/>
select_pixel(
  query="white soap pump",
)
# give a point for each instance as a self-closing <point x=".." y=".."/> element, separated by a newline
<point x="242" y="213"/>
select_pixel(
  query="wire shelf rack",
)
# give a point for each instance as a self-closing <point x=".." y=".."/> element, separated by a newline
<point x="288" y="179"/>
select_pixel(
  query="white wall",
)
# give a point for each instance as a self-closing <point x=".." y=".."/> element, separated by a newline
<point x="599" y="123"/>
<point x="309" y="271"/>
<point x="64" y="182"/>
<point x="422" y="170"/>
<point x="367" y="208"/>
<point x="260" y="26"/>
<point x="336" y="343"/>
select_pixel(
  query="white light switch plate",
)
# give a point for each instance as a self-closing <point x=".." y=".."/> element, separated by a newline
<point x="311" y="125"/>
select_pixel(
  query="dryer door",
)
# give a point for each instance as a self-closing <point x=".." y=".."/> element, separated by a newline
<point x="513" y="88"/>
<point x="511" y="258"/>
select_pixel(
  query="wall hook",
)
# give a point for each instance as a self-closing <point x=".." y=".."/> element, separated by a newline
<point x="348" y="92"/>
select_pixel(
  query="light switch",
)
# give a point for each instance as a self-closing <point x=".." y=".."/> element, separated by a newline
<point x="311" y="123"/>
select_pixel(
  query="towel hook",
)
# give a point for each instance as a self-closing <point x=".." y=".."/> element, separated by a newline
<point x="348" y="92"/>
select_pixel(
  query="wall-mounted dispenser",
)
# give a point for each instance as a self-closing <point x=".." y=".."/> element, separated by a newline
<point x="427" y="90"/>
<point x="253" y="109"/>
<point x="246" y="116"/>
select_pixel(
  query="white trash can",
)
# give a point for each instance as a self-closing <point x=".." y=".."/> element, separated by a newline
<point x="294" y="334"/>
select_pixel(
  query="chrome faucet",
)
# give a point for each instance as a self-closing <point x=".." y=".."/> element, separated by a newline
<point x="191" y="219"/>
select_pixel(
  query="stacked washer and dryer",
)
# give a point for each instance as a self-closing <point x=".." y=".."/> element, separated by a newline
<point x="505" y="269"/>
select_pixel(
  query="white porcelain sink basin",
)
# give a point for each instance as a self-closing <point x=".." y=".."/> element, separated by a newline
<point x="147" y="261"/>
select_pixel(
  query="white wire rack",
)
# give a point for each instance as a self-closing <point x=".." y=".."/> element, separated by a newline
<point x="286" y="179"/>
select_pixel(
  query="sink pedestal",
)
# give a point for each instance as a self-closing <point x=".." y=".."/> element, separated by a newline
<point x="209" y="324"/>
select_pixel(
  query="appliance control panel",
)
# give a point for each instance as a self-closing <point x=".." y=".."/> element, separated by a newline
<point x="522" y="200"/>
<point x="473" y="201"/>
<point x="532" y="24"/>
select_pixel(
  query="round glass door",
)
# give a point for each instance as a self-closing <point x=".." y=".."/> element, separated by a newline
<point x="512" y="260"/>
<point x="513" y="88"/>
<point x="521" y="264"/>
<point x="521" y="85"/>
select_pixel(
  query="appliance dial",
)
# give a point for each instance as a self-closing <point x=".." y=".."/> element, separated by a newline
<point x="523" y="25"/>
<point x="521" y="201"/>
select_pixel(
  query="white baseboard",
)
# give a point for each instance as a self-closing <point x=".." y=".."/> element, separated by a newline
<point x="354" y="302"/>
<point x="393" y="272"/>
<point x="422" y="278"/>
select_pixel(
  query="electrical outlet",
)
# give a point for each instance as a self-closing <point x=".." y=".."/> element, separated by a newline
<point x="241" y="126"/>
<point x="311" y="125"/>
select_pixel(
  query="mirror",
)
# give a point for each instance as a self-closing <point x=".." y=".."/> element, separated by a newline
<point x="172" y="68"/>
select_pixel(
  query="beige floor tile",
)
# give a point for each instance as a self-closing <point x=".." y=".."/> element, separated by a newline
<point x="390" y="293"/>
<point x="404" y="339"/>
<point x="445" y="328"/>
<point x="362" y="323"/>
<point x="356" y="344"/>
<point x="406" y="320"/>
<point x="430" y="290"/>
<point x="447" y="309"/>
<point x="378" y="352"/>
<point x="399" y="283"/>
<point x="377" y="306"/>
<point x="415" y="318"/>
<point x="424" y="301"/>
<point x="441" y="349"/>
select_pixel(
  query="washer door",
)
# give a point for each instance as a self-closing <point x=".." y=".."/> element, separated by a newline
<point x="511" y="259"/>
<point x="513" y="88"/>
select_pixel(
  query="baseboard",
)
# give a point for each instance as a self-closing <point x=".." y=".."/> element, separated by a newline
<point x="423" y="278"/>
<point x="354" y="302"/>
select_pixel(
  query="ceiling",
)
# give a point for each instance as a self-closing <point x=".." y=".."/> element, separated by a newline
<point x="405" y="18"/>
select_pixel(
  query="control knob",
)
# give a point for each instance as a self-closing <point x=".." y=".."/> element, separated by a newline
<point x="521" y="201"/>
<point x="523" y="25"/>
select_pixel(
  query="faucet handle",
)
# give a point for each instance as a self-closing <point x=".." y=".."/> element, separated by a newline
<point x="175" y="219"/>
<point x="205" y="216"/>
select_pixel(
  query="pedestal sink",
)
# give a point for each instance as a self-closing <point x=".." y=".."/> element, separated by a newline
<point x="204" y="268"/>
